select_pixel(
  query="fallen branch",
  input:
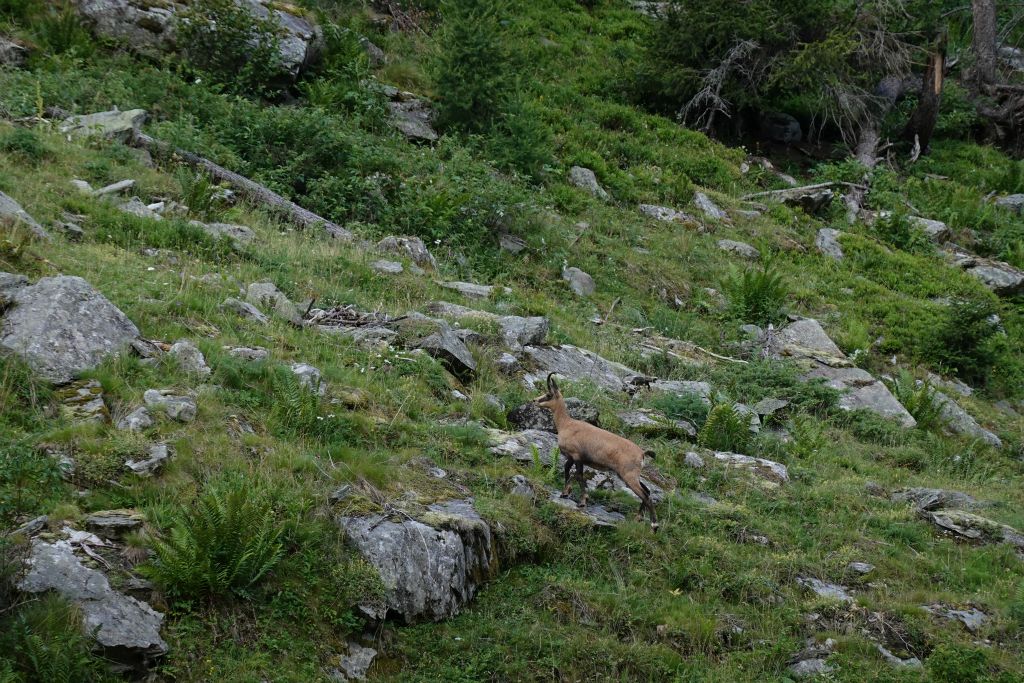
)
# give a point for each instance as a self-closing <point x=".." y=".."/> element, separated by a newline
<point x="787" y="191"/>
<point x="255" y="192"/>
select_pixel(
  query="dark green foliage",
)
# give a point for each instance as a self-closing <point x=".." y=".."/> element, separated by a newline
<point x="25" y="144"/>
<point x="340" y="80"/>
<point x="519" y="140"/>
<point x="224" y="40"/>
<point x="689" y="407"/>
<point x="896" y="229"/>
<point x="28" y="481"/>
<point x="725" y="430"/>
<point x="227" y="540"/>
<point x="761" y="379"/>
<point x="756" y="295"/>
<point x="197" y="191"/>
<point x="919" y="401"/>
<point x="60" y="30"/>
<point x="958" y="664"/>
<point x="43" y="641"/>
<point x="967" y="340"/>
<point x="472" y="65"/>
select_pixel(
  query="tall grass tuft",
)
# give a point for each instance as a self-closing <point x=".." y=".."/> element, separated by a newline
<point x="226" y="542"/>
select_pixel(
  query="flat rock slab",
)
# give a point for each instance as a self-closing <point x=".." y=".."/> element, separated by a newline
<point x="414" y="119"/>
<point x="959" y="421"/>
<point x="998" y="276"/>
<point x="114" y="522"/>
<point x="578" y="365"/>
<point x="824" y="589"/>
<point x="972" y="618"/>
<point x="430" y="568"/>
<point x="653" y="421"/>
<point x="972" y="527"/>
<point x="667" y="214"/>
<point x="516" y="331"/>
<point x="254" y="353"/>
<point x="245" y="310"/>
<point x="62" y="326"/>
<point x="354" y="664"/>
<point x="523" y="445"/>
<point x="240" y="236"/>
<point x="598" y="515"/>
<point x="115" y="125"/>
<point x="117" y="622"/>
<point x="11" y="210"/>
<point x="768" y="470"/>
<point x="935" y="499"/>
<point x="469" y="289"/>
<point x="447" y="347"/>
<point x="740" y="249"/>
<point x="82" y="402"/>
<point x="709" y="208"/>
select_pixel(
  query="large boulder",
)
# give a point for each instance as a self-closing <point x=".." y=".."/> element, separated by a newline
<point x="585" y="179"/>
<point x="532" y="416"/>
<point x="151" y="27"/>
<point x="447" y="347"/>
<point x="267" y="296"/>
<point x="1000" y="277"/>
<point x="430" y="567"/>
<point x="959" y="421"/>
<point x="580" y="282"/>
<point x="827" y="242"/>
<point x="125" y="627"/>
<point x="411" y="247"/>
<point x="740" y="249"/>
<point x="516" y="331"/>
<point x="62" y="326"/>
<point x="115" y="125"/>
<point x="11" y="211"/>
<point x="577" y="365"/>
<point x="414" y="119"/>
<point x="934" y="499"/>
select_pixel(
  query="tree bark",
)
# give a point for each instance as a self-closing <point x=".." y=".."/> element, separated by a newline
<point x="255" y="192"/>
<point x="922" y="122"/>
<point x="984" y="43"/>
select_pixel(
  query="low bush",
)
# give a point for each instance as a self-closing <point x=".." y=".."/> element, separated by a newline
<point x="28" y="482"/>
<point x="226" y="542"/>
<point x="968" y="340"/>
<point x="920" y="401"/>
<point x="756" y="295"/>
<point x="725" y="430"/>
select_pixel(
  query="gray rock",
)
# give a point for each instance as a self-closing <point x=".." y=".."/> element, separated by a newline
<point x="827" y="242"/>
<point x="151" y="28"/>
<point x="806" y="341"/>
<point x="753" y="419"/>
<point x="241" y="236"/>
<point x="825" y="590"/>
<point x="511" y="243"/>
<point x="958" y="421"/>
<point x="767" y="470"/>
<point x="9" y="284"/>
<point x="114" y="188"/>
<point x="446" y="346"/>
<point x="122" y="126"/>
<point x="110" y="523"/>
<point x="11" y="210"/>
<point x="430" y="568"/>
<point x="577" y="365"/>
<point x="740" y="249"/>
<point x="861" y="568"/>
<point x="354" y="665"/>
<point x="1013" y="202"/>
<point x="72" y="231"/>
<point x="190" y="358"/>
<point x="516" y="331"/>
<point x="769" y="406"/>
<point x="374" y="54"/>
<point x="412" y="247"/>
<point x="1000" y="277"/>
<point x="246" y="353"/>
<point x="667" y="214"/>
<point x="309" y="378"/>
<point x="693" y="460"/>
<point x="579" y="282"/>
<point x="809" y="668"/>
<point x="370" y="336"/>
<point x="387" y="267"/>
<point x="244" y="309"/>
<point x="935" y="499"/>
<point x="156" y="456"/>
<point x="781" y="127"/>
<point x="952" y="384"/>
<point x="82" y="402"/>
<point x="811" y="201"/>
<point x="585" y="179"/>
<point x="62" y="326"/>
<point x="911" y="662"/>
<point x="31" y="527"/>
<point x="469" y="289"/>
<point x="119" y="623"/>
<point x="414" y="119"/>
<point x="1014" y="58"/>
<point x="136" y="421"/>
<point x="11" y="53"/>
<point x="683" y="387"/>
<point x="969" y="526"/>
<point x="654" y="421"/>
<point x="507" y="363"/>
<point x="523" y="446"/>
<point x="137" y="207"/>
<point x="267" y="295"/>
<point x="179" y="408"/>
<point x="521" y="487"/>
<point x="709" y="208"/>
<point x="937" y="231"/>
<point x="972" y="618"/>
<point x="598" y="515"/>
<point x="530" y="416"/>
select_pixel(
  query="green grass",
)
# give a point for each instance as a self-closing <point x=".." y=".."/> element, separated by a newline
<point x="700" y="601"/>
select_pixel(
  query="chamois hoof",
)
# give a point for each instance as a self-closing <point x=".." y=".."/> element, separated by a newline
<point x="654" y="527"/>
<point x="582" y="504"/>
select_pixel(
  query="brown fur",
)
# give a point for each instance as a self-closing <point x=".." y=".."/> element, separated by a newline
<point x="583" y="444"/>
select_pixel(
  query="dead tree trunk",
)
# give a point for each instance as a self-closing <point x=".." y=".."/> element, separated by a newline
<point x="889" y="90"/>
<point x="984" y="44"/>
<point x="921" y="125"/>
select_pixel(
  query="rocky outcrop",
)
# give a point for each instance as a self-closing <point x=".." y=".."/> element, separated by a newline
<point x="647" y="421"/>
<point x="827" y="242"/>
<point x="430" y="567"/>
<point x="824" y="589"/>
<point x="807" y="343"/>
<point x="156" y="456"/>
<point x="525" y="445"/>
<point x="11" y="211"/>
<point x="709" y="208"/>
<point x="267" y="296"/>
<point x="62" y="326"/>
<point x="934" y="499"/>
<point x="531" y="416"/>
<point x="11" y="53"/>
<point x="447" y="347"/>
<point x="178" y="408"/>
<point x="999" y="276"/>
<point x="579" y="281"/>
<point x="769" y="471"/>
<point x="410" y="247"/>
<point x="972" y="527"/>
<point x="122" y="126"/>
<point x="667" y="214"/>
<point x="740" y="249"/>
<point x="151" y="28"/>
<point x="240" y="236"/>
<point x="127" y="629"/>
<point x="959" y="421"/>
<point x="577" y="365"/>
<point x="585" y="179"/>
<point x="516" y="331"/>
<point x="972" y="618"/>
<point x="310" y="378"/>
<point x="469" y="289"/>
<point x="414" y="118"/>
<point x="190" y="358"/>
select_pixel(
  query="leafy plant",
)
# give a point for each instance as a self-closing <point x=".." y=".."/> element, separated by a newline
<point x="225" y="40"/>
<point x="686" y="406"/>
<point x="968" y="340"/>
<point x="919" y="399"/>
<point x="197" y="190"/>
<point x="725" y="430"/>
<point x="808" y="436"/>
<point x="26" y="144"/>
<point x="897" y="229"/>
<point x="28" y="481"/>
<point x="957" y="664"/>
<point x="756" y="295"/>
<point x="227" y="541"/>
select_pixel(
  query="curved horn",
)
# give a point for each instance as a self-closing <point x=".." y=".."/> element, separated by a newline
<point x="552" y="385"/>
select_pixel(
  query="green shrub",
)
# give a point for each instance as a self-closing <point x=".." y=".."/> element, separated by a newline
<point x="227" y="540"/>
<point x="919" y="401"/>
<point x="43" y="641"/>
<point x="756" y="295"/>
<point x="197" y="190"/>
<point x="224" y="40"/>
<point x="896" y="229"/>
<point x="520" y="141"/>
<point x="967" y="340"/>
<point x="725" y="430"/>
<point x="60" y="30"/>
<point x="957" y="664"/>
<point x="688" y="406"/>
<point x="26" y="144"/>
<point x="28" y="481"/>
<point x="471" y="69"/>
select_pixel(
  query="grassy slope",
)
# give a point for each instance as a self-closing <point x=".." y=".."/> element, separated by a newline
<point x="616" y="605"/>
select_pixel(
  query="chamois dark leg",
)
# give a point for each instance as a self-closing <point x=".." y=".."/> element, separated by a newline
<point x="568" y="472"/>
<point x="583" y="485"/>
<point x="632" y="480"/>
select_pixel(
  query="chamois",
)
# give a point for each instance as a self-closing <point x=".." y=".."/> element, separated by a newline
<point x="583" y="444"/>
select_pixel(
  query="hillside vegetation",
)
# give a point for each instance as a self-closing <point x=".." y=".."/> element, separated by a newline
<point x="859" y="546"/>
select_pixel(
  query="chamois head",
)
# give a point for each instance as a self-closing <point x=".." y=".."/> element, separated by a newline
<point x="552" y="396"/>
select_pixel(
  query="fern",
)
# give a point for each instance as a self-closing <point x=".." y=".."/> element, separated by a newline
<point x="919" y="399"/>
<point x="725" y="430"/>
<point x="757" y="295"/>
<point x="227" y="541"/>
